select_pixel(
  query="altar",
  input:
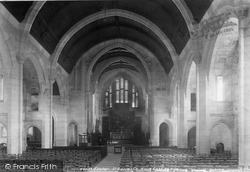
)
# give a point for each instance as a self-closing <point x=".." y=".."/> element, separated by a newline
<point x="118" y="140"/>
<point x="121" y="135"/>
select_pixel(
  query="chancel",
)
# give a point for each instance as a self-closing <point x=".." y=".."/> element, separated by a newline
<point x="138" y="83"/>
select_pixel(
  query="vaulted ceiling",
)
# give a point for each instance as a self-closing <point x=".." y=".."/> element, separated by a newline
<point x="56" y="18"/>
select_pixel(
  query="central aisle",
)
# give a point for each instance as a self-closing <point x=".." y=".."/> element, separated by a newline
<point x="110" y="163"/>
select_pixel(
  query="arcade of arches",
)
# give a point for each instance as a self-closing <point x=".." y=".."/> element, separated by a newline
<point x="170" y="73"/>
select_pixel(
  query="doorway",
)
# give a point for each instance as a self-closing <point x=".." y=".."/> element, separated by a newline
<point x="34" y="138"/>
<point x="164" y="135"/>
<point x="72" y="134"/>
<point x="192" y="137"/>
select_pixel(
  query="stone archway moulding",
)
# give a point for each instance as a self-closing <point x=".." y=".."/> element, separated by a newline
<point x="108" y="45"/>
<point x="25" y="27"/>
<point x="101" y="67"/>
<point x="222" y="9"/>
<point x="39" y="69"/>
<point x="171" y="130"/>
<point x="108" y="13"/>
<point x="28" y="126"/>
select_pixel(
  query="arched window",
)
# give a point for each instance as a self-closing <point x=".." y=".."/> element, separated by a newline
<point x="108" y="97"/>
<point x="121" y="91"/>
<point x="134" y="97"/>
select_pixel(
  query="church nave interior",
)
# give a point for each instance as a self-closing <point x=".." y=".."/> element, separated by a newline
<point x="164" y="83"/>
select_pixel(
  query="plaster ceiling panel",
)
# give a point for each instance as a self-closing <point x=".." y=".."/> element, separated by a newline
<point x="18" y="8"/>
<point x="55" y="18"/>
<point x="77" y="47"/>
<point x="198" y="8"/>
<point x="107" y="29"/>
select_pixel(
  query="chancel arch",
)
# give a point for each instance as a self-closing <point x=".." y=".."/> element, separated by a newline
<point x="129" y="63"/>
<point x="144" y="55"/>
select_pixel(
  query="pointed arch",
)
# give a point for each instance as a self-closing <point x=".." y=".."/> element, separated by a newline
<point x="72" y="134"/>
<point x="221" y="133"/>
<point x="170" y="135"/>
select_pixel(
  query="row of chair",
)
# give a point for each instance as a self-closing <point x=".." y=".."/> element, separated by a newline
<point x="169" y="158"/>
<point x="69" y="160"/>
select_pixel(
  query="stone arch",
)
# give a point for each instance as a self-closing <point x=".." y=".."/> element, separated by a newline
<point x="61" y="86"/>
<point x="192" y="137"/>
<point x="209" y="45"/>
<point x="34" y="136"/>
<point x="170" y="133"/>
<point x="59" y="78"/>
<point x="6" y="58"/>
<point x="101" y="67"/>
<point x="31" y="86"/>
<point x="3" y="128"/>
<point x="221" y="133"/>
<point x="108" y="13"/>
<point x="139" y="51"/>
<point x="186" y="13"/>
<point x="186" y="69"/>
<point x="39" y="68"/>
<point x="72" y="133"/>
<point x="26" y="25"/>
<point x="164" y="135"/>
<point x="220" y="62"/>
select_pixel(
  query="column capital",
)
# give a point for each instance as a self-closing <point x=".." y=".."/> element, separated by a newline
<point x="242" y="13"/>
<point x="194" y="29"/>
<point x="197" y="58"/>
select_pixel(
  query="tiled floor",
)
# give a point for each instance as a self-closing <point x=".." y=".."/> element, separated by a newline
<point x="109" y="164"/>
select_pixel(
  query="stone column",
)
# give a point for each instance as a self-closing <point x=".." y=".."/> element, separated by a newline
<point x="244" y="87"/>
<point x="152" y="127"/>
<point x="15" y="117"/>
<point x="202" y="128"/>
<point x="90" y="111"/>
<point x="182" y="137"/>
<point x="45" y="106"/>
<point x="83" y="128"/>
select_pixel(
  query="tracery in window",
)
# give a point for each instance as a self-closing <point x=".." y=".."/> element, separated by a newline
<point x="121" y="91"/>
<point x="135" y="97"/>
<point x="108" y="97"/>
